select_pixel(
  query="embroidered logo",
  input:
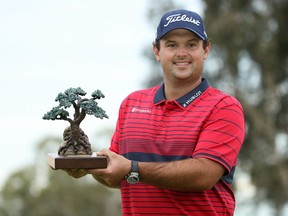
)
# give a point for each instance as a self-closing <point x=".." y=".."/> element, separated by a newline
<point x="191" y="99"/>
<point x="183" y="18"/>
<point x="139" y="110"/>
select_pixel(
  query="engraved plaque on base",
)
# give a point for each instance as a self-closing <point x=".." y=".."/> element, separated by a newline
<point x="77" y="161"/>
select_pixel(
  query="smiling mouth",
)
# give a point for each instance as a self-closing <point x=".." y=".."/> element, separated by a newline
<point x="182" y="63"/>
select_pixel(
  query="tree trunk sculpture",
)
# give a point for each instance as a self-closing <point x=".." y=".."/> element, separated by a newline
<point x="76" y="142"/>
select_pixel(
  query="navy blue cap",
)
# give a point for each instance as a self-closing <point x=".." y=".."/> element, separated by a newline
<point x="181" y="19"/>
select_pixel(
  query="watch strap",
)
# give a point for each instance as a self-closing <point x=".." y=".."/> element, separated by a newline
<point x="134" y="166"/>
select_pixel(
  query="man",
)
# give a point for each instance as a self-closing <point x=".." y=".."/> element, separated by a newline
<point x="175" y="146"/>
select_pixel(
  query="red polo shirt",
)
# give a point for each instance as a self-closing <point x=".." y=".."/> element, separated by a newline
<point x="203" y="123"/>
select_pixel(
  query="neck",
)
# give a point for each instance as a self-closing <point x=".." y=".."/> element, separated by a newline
<point x="174" y="91"/>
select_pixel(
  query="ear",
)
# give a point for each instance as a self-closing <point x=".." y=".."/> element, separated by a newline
<point x="207" y="50"/>
<point x="156" y="53"/>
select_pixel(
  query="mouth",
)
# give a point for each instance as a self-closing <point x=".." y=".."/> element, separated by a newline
<point x="182" y="63"/>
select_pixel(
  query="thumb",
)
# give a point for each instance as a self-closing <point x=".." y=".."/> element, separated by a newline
<point x="104" y="152"/>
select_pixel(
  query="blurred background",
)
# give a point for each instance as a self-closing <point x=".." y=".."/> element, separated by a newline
<point x="48" y="46"/>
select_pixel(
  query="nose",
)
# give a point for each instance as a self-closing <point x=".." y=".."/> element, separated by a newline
<point x="181" y="52"/>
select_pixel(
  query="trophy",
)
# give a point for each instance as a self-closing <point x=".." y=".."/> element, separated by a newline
<point x="75" y="152"/>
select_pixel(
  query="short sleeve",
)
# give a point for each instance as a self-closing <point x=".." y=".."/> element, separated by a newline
<point x="222" y="134"/>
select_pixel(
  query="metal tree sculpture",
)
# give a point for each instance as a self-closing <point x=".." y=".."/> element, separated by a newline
<point x="76" y="142"/>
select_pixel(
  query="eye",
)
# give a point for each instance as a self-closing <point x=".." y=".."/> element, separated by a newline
<point x="171" y="45"/>
<point x="192" y="44"/>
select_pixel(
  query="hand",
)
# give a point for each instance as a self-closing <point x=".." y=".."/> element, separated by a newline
<point x="76" y="173"/>
<point x="118" y="167"/>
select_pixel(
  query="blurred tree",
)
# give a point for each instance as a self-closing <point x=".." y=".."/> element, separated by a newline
<point x="249" y="60"/>
<point x="39" y="190"/>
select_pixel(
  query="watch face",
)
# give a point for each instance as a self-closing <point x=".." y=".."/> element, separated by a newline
<point x="133" y="178"/>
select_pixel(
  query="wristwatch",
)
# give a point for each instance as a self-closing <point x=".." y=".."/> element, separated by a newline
<point x="133" y="177"/>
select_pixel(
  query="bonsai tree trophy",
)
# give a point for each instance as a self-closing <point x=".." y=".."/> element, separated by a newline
<point x="75" y="151"/>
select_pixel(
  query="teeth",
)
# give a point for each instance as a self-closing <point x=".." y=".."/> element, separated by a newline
<point x="182" y="63"/>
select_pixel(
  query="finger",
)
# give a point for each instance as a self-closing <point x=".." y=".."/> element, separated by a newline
<point x="76" y="173"/>
<point x="105" y="152"/>
<point x="96" y="171"/>
<point x="70" y="171"/>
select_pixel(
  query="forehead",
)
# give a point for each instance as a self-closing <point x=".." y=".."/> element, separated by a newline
<point x="180" y="33"/>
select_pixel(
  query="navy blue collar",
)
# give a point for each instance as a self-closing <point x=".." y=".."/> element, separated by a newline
<point x="185" y="100"/>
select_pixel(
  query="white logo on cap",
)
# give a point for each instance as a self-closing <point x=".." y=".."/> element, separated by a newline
<point x="178" y="18"/>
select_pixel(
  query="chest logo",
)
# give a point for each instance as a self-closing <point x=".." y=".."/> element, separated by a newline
<point x="140" y="110"/>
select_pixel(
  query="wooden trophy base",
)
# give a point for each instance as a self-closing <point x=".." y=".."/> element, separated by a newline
<point x="77" y="162"/>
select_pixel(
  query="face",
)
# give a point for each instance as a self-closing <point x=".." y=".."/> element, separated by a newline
<point x="181" y="56"/>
